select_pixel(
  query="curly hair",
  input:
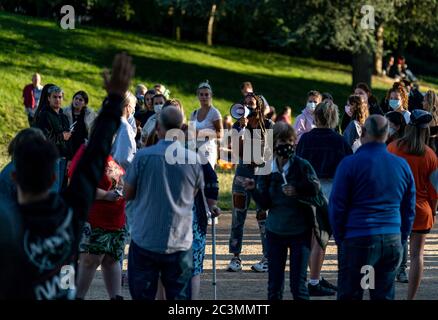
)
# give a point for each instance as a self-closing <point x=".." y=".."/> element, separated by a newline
<point x="359" y="108"/>
<point x="399" y="87"/>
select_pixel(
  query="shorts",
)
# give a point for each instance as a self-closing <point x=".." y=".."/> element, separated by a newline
<point x="425" y="231"/>
<point x="99" y="241"/>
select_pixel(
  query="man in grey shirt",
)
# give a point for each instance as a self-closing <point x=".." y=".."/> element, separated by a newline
<point x="161" y="185"/>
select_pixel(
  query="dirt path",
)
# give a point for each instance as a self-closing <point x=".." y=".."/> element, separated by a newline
<point x="250" y="285"/>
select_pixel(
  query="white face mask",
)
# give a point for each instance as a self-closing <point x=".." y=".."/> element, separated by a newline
<point x="394" y="103"/>
<point x="392" y="131"/>
<point x="158" y="107"/>
<point x="311" y="106"/>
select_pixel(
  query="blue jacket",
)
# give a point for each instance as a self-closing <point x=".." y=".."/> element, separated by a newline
<point x="373" y="193"/>
<point x="324" y="149"/>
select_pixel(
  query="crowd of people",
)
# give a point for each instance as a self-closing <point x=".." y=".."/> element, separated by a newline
<point x="138" y="171"/>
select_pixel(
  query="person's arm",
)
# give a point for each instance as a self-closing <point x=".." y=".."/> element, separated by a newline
<point x="124" y="148"/>
<point x="339" y="203"/>
<point x="407" y="206"/>
<point x="47" y="128"/>
<point x="308" y="186"/>
<point x="130" y="180"/>
<point x="300" y="126"/>
<point x="106" y="195"/>
<point x="218" y="128"/>
<point x="82" y="190"/>
<point x="259" y="189"/>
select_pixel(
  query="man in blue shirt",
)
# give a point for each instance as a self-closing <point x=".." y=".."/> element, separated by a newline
<point x="162" y="186"/>
<point x="371" y="210"/>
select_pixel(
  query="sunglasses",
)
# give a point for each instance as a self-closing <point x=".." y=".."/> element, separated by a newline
<point x="204" y="94"/>
<point x="54" y="89"/>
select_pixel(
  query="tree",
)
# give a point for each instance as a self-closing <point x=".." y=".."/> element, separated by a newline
<point x="340" y="25"/>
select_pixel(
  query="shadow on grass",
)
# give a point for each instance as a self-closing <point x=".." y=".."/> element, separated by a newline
<point x="78" y="45"/>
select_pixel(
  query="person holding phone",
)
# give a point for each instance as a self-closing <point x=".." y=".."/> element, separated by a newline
<point x="289" y="224"/>
<point x="80" y="118"/>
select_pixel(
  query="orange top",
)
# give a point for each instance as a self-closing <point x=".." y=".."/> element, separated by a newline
<point x="422" y="167"/>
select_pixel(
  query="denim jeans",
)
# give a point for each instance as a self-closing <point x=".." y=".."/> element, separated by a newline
<point x="145" y="267"/>
<point x="404" y="261"/>
<point x="382" y="252"/>
<point x="278" y="246"/>
<point x="239" y="215"/>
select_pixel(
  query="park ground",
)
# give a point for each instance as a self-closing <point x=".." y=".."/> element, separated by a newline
<point x="249" y="285"/>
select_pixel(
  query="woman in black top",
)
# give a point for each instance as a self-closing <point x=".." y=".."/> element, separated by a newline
<point x="324" y="149"/>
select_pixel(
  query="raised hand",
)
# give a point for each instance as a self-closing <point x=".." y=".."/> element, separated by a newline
<point x="121" y="74"/>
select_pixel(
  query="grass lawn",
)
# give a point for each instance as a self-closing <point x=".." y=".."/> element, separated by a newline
<point x="74" y="59"/>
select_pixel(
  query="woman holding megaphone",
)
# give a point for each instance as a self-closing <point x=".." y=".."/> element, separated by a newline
<point x="250" y="123"/>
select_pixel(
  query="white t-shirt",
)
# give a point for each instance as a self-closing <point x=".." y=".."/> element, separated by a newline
<point x="206" y="128"/>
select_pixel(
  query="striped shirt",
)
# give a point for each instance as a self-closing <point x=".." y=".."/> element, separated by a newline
<point x="161" y="218"/>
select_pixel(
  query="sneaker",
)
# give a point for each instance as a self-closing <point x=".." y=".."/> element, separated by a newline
<point x="235" y="265"/>
<point x="319" y="291"/>
<point x="261" y="266"/>
<point x="210" y="221"/>
<point x="327" y="284"/>
<point x="402" y="276"/>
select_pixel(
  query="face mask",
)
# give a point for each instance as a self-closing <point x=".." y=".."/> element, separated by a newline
<point x="158" y="107"/>
<point x="394" y="104"/>
<point x="348" y="110"/>
<point x="311" y="106"/>
<point x="392" y="131"/>
<point x="285" y="150"/>
<point x="140" y="99"/>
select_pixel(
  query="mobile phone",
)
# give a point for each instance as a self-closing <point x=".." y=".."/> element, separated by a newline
<point x="284" y="179"/>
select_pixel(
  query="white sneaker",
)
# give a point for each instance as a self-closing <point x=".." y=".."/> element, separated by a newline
<point x="210" y="221"/>
<point x="235" y="265"/>
<point x="261" y="266"/>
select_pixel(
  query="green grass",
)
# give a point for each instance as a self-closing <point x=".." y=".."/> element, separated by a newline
<point x="74" y="59"/>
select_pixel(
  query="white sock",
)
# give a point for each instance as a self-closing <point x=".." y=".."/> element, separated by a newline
<point x="314" y="282"/>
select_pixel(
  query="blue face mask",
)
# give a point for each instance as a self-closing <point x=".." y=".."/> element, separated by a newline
<point x="394" y="104"/>
<point x="140" y="99"/>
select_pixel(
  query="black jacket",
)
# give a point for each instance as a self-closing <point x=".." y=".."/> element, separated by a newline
<point x="51" y="228"/>
<point x="53" y="125"/>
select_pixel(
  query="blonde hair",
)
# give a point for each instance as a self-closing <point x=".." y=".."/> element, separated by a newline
<point x="141" y="87"/>
<point x="327" y="114"/>
<point x="204" y="85"/>
<point x="129" y="100"/>
<point x="431" y="106"/>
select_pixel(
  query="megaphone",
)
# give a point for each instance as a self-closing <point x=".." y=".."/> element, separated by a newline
<point x="239" y="111"/>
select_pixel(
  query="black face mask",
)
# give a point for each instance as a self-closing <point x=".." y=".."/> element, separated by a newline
<point x="285" y="151"/>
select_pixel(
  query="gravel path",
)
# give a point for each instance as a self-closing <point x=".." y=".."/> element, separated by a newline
<point x="250" y="285"/>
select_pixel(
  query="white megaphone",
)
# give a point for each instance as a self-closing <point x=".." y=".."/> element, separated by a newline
<point x="239" y="111"/>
